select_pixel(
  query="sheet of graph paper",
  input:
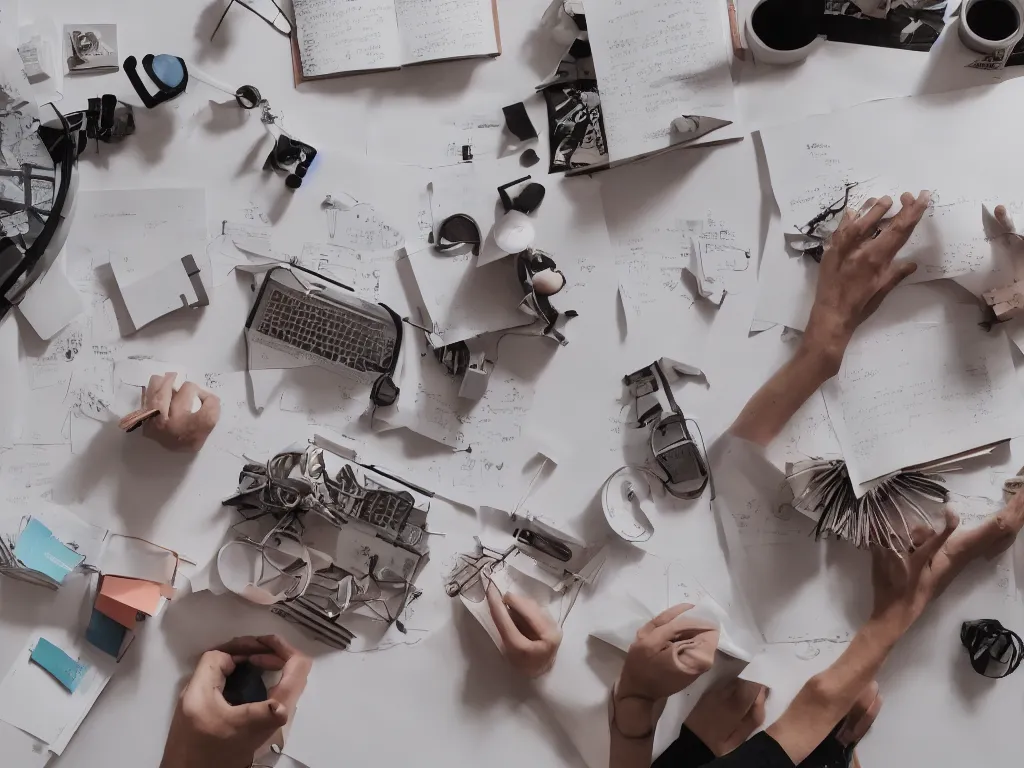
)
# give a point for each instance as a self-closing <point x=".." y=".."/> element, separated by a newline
<point x="909" y="393"/>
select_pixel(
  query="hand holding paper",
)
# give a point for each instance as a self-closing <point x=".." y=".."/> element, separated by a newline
<point x="169" y="416"/>
<point x="857" y="272"/>
<point x="529" y="636"/>
<point x="670" y="652"/>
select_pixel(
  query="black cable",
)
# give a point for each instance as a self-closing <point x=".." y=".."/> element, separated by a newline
<point x="994" y="650"/>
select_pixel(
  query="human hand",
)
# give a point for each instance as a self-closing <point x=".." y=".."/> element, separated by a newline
<point x="728" y="714"/>
<point x="905" y="586"/>
<point x="857" y="272"/>
<point x="528" y="633"/>
<point x="670" y="652"/>
<point x="207" y="732"/>
<point x="175" y="426"/>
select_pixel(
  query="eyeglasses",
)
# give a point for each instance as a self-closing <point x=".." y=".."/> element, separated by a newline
<point x="268" y="10"/>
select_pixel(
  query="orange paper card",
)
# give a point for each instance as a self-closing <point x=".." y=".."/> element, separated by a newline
<point x="122" y="614"/>
<point x="141" y="595"/>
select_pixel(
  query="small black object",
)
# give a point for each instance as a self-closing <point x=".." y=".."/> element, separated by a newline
<point x="994" y="650"/>
<point x="165" y="90"/>
<point x="527" y="201"/>
<point x="454" y="357"/>
<point x="786" y="25"/>
<point x="105" y="119"/>
<point x="384" y="392"/>
<point x="529" y="158"/>
<point x="245" y="686"/>
<point x="291" y="156"/>
<point x="248" y="97"/>
<point x="467" y="153"/>
<point x="458" y="229"/>
<point x="517" y="120"/>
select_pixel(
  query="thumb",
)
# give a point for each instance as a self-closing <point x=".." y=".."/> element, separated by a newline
<point x="259" y="720"/>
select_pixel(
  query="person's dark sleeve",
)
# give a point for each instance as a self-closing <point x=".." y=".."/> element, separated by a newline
<point x="760" y="751"/>
<point x="688" y="751"/>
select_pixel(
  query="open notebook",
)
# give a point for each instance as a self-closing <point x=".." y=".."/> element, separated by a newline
<point x="346" y="37"/>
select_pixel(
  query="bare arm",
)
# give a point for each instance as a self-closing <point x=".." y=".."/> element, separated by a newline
<point x="670" y="652"/>
<point x="904" y="587"/>
<point x="857" y="272"/>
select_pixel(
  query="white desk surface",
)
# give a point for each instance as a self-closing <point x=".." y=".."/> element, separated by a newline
<point x="450" y="699"/>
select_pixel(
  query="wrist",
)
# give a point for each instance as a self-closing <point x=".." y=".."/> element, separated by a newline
<point x="633" y="715"/>
<point x="887" y="626"/>
<point x="822" y="353"/>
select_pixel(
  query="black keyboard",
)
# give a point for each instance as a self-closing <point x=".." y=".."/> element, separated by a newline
<point x="329" y="331"/>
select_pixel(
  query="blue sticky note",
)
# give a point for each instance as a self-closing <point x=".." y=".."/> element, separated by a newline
<point x="66" y="670"/>
<point x="105" y="633"/>
<point x="41" y="551"/>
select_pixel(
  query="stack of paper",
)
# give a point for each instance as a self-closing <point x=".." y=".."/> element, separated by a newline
<point x="44" y="547"/>
<point x="38" y="557"/>
<point x="137" y="582"/>
<point x="913" y="392"/>
<point x="663" y="73"/>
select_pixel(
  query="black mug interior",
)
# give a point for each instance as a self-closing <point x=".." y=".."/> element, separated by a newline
<point x="993" y="19"/>
<point x="786" y="25"/>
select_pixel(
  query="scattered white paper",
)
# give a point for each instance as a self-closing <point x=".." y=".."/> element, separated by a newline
<point x="464" y="301"/>
<point x="656" y="62"/>
<point x="32" y="700"/>
<point x="812" y="160"/>
<point x="915" y="392"/>
<point x="40" y="47"/>
<point x="142" y="232"/>
<point x="795" y="588"/>
<point x="787" y="282"/>
<point x="430" y="405"/>
<point x="435" y="144"/>
<point x="52" y="302"/>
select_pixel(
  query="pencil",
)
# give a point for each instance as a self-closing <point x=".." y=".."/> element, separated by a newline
<point x="734" y="30"/>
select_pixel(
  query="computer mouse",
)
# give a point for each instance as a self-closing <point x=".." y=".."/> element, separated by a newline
<point x="514" y="233"/>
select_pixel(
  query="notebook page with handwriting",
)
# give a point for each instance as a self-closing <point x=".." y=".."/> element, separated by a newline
<point x="432" y="30"/>
<point x="658" y="60"/>
<point x="346" y="36"/>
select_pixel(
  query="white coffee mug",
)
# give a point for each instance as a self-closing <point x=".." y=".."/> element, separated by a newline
<point x="763" y="54"/>
<point x="983" y="45"/>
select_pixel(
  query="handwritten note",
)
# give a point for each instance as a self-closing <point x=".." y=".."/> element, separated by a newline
<point x="351" y="36"/>
<point x="658" y="60"/>
<point x="445" y="29"/>
<point x="915" y="392"/>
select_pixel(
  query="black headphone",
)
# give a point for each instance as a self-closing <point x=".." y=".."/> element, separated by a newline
<point x="165" y="91"/>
